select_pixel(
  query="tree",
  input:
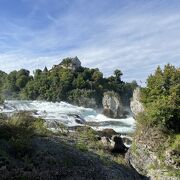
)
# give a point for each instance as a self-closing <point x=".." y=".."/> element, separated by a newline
<point x="37" y="73"/>
<point x="161" y="98"/>
<point x="118" y="75"/>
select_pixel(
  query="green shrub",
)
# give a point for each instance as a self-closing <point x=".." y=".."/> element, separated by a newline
<point x="81" y="146"/>
<point x="1" y="100"/>
<point x="20" y="129"/>
<point x="176" y="142"/>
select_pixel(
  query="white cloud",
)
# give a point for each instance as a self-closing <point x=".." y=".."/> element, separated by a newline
<point x="135" y="38"/>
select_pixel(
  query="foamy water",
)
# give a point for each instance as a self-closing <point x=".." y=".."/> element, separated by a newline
<point x="61" y="112"/>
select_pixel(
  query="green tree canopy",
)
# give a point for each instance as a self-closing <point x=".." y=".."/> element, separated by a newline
<point x="161" y="98"/>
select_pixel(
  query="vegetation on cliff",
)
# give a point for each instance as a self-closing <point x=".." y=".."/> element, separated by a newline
<point x="158" y="126"/>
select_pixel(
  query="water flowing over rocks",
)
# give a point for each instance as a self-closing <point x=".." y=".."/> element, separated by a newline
<point x="69" y="115"/>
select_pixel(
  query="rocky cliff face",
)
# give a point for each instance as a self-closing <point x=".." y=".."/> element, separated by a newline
<point x="135" y="104"/>
<point x="112" y="105"/>
<point x="143" y="156"/>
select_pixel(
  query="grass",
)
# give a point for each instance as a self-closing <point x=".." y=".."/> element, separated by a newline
<point x="19" y="130"/>
<point x="87" y="141"/>
<point x="176" y="142"/>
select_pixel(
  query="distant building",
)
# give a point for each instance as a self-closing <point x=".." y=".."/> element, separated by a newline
<point x="69" y="63"/>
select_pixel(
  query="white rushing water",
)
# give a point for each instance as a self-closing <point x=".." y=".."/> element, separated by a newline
<point x="61" y="112"/>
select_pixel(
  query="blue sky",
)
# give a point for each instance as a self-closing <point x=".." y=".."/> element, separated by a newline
<point x="133" y="35"/>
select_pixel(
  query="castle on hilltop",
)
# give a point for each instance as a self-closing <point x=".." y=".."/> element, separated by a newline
<point x="69" y="63"/>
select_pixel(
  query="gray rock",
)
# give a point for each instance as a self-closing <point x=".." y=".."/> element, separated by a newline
<point x="53" y="158"/>
<point x="135" y="104"/>
<point x="105" y="141"/>
<point x="142" y="159"/>
<point x="112" y="105"/>
<point x="171" y="157"/>
<point x="78" y="119"/>
<point x="108" y="132"/>
<point x="127" y="141"/>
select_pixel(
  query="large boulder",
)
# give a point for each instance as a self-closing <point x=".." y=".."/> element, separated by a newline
<point x="112" y="105"/>
<point x="105" y="141"/>
<point x="118" y="145"/>
<point x="135" y="104"/>
<point x="108" y="132"/>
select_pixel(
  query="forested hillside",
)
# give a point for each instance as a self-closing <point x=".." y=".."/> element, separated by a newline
<point x="68" y="81"/>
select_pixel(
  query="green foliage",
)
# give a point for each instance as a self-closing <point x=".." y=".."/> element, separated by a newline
<point x="118" y="75"/>
<point x="63" y="84"/>
<point x="175" y="145"/>
<point x="66" y="61"/>
<point x="20" y="129"/>
<point x="1" y="100"/>
<point x="81" y="146"/>
<point x="81" y="97"/>
<point x="13" y="83"/>
<point x="86" y="140"/>
<point x="159" y="124"/>
<point x="161" y="99"/>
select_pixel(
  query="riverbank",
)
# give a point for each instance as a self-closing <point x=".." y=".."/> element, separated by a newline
<point x="28" y="150"/>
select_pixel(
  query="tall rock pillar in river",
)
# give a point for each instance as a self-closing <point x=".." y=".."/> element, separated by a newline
<point x="112" y="105"/>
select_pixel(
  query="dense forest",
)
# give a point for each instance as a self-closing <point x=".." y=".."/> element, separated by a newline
<point x="68" y="81"/>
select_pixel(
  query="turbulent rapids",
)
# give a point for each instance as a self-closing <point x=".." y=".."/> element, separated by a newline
<point x="69" y="115"/>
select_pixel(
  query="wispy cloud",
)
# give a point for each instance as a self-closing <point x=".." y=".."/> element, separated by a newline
<point x="134" y="36"/>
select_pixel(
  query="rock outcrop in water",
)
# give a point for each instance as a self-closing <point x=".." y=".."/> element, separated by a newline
<point x="135" y="104"/>
<point x="112" y="105"/>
